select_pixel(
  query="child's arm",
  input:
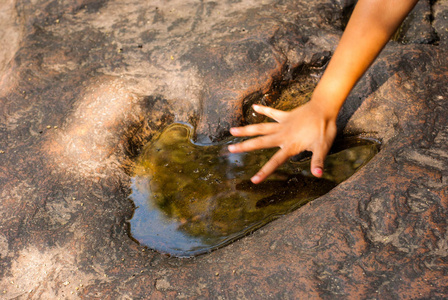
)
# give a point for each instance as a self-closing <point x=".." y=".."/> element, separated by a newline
<point x="312" y="126"/>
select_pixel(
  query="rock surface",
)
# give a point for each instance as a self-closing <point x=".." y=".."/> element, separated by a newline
<point x="85" y="83"/>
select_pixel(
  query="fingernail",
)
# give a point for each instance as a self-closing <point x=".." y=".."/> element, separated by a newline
<point x="231" y="148"/>
<point x="233" y="130"/>
<point x="255" y="179"/>
<point x="318" y="172"/>
<point x="255" y="106"/>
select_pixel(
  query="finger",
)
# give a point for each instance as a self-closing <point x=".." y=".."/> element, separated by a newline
<point x="262" y="142"/>
<point x="318" y="160"/>
<point x="255" y="129"/>
<point x="276" y="160"/>
<point x="270" y="112"/>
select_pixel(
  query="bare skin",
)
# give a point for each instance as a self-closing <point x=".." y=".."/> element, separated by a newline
<point x="312" y="127"/>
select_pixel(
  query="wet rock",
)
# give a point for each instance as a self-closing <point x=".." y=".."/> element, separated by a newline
<point x="85" y="83"/>
<point x="440" y="23"/>
<point x="417" y="27"/>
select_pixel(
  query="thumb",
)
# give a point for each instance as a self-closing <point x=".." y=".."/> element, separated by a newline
<point x="317" y="161"/>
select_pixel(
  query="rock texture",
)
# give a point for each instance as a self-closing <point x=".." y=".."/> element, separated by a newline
<point x="84" y="83"/>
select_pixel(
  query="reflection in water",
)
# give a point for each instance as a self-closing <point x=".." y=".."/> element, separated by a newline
<point x="191" y="199"/>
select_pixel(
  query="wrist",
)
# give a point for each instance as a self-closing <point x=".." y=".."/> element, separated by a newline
<point x="328" y="102"/>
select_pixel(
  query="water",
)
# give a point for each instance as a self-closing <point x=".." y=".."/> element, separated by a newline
<point x="192" y="198"/>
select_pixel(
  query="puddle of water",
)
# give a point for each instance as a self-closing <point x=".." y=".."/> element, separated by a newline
<point x="191" y="199"/>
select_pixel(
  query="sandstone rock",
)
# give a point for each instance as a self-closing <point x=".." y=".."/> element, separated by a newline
<point x="85" y="83"/>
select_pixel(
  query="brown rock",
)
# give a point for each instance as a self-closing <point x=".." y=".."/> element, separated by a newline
<point x="110" y="74"/>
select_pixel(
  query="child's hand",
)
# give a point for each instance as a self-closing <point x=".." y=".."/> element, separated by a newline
<point x="308" y="127"/>
<point x="312" y="126"/>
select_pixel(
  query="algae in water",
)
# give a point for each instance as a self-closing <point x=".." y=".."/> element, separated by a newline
<point x="193" y="198"/>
